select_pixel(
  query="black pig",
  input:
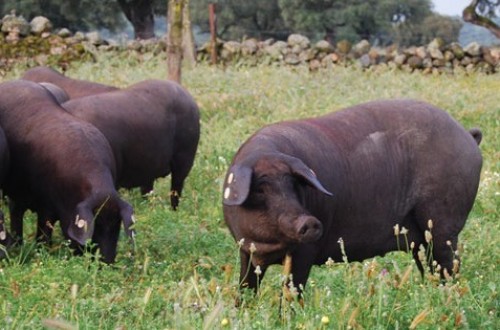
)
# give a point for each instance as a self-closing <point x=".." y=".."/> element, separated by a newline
<point x="73" y="87"/>
<point x="153" y="128"/>
<point x="62" y="168"/>
<point x="303" y="187"/>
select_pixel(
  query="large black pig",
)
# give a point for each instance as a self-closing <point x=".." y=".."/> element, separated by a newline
<point x="62" y="168"/>
<point x="303" y="187"/>
<point x="153" y="128"/>
<point x="73" y="87"/>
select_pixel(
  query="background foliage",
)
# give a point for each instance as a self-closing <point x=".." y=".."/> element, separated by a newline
<point x="381" y="22"/>
<point x="184" y="272"/>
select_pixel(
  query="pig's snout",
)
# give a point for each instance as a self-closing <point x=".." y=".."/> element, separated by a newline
<point x="309" y="229"/>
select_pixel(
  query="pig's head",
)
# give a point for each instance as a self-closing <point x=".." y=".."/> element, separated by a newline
<point x="99" y="219"/>
<point x="263" y="201"/>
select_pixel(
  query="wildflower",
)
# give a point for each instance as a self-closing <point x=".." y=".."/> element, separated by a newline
<point x="404" y="231"/>
<point x="252" y="248"/>
<point x="448" y="243"/>
<point x="428" y="236"/>
<point x="74" y="291"/>
<point x="412" y="245"/>
<point x="224" y="322"/>
<point x="325" y="320"/>
<point x="396" y="230"/>
<point x="241" y="242"/>
<point x="421" y="253"/>
<point x="429" y="223"/>
<point x="258" y="271"/>
<point x="329" y="262"/>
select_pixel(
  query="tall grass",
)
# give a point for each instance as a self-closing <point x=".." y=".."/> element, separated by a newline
<point x="184" y="274"/>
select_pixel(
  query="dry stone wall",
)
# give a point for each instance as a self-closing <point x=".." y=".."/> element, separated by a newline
<point x="37" y="42"/>
<point x="436" y="57"/>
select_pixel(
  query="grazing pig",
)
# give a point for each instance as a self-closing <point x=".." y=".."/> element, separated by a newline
<point x="62" y="168"/>
<point x="311" y="187"/>
<point x="73" y="87"/>
<point x="153" y="128"/>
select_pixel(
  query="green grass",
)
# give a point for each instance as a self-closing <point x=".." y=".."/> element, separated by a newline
<point x="184" y="274"/>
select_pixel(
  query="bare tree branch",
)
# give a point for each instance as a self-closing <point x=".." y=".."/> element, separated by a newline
<point x="470" y="15"/>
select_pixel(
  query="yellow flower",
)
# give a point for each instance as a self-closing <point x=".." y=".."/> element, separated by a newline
<point x="325" y="320"/>
<point x="224" y="322"/>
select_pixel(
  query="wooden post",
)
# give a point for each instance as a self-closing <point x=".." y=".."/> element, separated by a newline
<point x="174" y="45"/>
<point x="189" y="49"/>
<point x="213" y="32"/>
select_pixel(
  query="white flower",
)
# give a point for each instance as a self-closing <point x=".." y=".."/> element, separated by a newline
<point x="329" y="262"/>
<point x="252" y="248"/>
<point x="241" y="242"/>
<point x="428" y="236"/>
<point x="396" y="230"/>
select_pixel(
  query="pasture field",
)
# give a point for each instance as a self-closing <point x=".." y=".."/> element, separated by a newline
<point x="184" y="272"/>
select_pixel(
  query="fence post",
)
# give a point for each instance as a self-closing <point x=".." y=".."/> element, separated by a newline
<point x="213" y="32"/>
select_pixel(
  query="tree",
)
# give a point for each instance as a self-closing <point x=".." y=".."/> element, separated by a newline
<point x="238" y="18"/>
<point x="479" y="13"/>
<point x="174" y="47"/>
<point x="353" y="20"/>
<point x="140" y="15"/>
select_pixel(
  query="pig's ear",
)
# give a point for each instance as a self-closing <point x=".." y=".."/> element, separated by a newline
<point x="237" y="185"/>
<point x="128" y="220"/>
<point x="81" y="228"/>
<point x="302" y="170"/>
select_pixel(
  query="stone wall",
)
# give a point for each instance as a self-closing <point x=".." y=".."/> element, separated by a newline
<point x="436" y="57"/>
<point x="36" y="42"/>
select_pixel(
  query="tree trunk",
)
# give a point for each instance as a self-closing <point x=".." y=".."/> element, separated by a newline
<point x="188" y="46"/>
<point x="140" y="15"/>
<point x="174" y="45"/>
<point x="470" y="15"/>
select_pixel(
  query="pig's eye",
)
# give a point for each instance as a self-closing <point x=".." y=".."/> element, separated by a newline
<point x="299" y="191"/>
<point x="259" y="189"/>
<point x="257" y="196"/>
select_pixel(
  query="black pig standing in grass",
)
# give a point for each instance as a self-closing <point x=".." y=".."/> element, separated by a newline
<point x="153" y="128"/>
<point x="62" y="168"/>
<point x="73" y="87"/>
<point x="5" y="238"/>
<point x="302" y="187"/>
